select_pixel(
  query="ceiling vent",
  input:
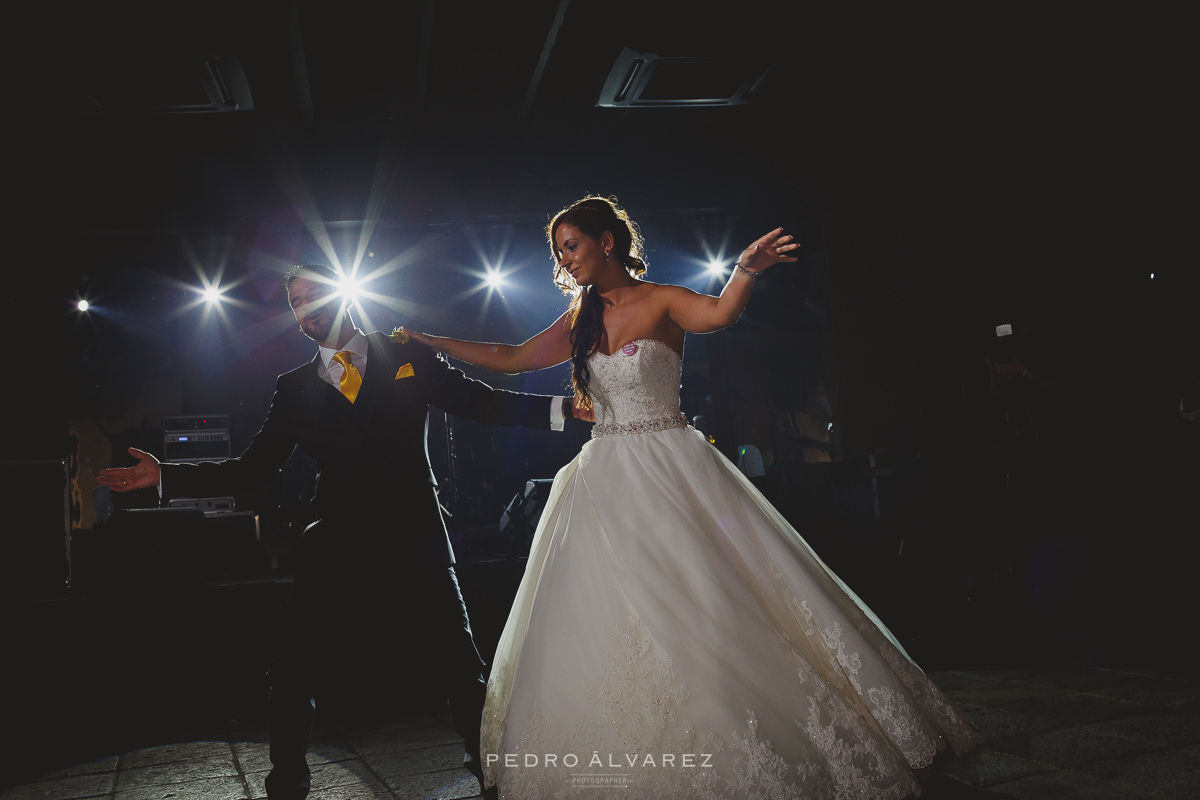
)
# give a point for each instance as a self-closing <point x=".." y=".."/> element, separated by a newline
<point x="645" y="80"/>
<point x="170" y="85"/>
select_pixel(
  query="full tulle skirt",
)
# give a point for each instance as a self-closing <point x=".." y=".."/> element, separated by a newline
<point x="674" y="636"/>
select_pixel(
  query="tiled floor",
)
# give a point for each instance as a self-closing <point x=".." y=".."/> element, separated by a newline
<point x="1080" y="733"/>
<point x="415" y="757"/>
<point x="1071" y="733"/>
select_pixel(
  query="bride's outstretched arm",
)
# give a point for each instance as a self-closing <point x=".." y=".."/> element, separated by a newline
<point x="702" y="313"/>
<point x="549" y="348"/>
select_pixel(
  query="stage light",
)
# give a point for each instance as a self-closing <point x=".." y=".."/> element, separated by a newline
<point x="716" y="267"/>
<point x="212" y="294"/>
<point x="83" y="305"/>
<point x="493" y="279"/>
<point x="349" y="288"/>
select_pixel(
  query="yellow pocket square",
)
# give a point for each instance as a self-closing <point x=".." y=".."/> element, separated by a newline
<point x="404" y="372"/>
<point x="399" y="336"/>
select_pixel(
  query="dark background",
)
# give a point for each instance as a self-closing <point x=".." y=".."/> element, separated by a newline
<point x="943" y="174"/>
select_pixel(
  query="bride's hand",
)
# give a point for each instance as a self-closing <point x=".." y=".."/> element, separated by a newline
<point x="768" y="250"/>
<point x="579" y="412"/>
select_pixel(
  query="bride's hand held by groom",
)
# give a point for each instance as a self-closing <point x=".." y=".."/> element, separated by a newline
<point x="422" y="338"/>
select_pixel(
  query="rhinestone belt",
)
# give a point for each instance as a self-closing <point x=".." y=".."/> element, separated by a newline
<point x="677" y="420"/>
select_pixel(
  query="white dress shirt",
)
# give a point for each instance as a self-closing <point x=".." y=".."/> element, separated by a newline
<point x="331" y="371"/>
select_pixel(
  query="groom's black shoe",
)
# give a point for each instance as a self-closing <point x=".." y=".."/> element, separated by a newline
<point x="291" y="716"/>
<point x="290" y="777"/>
<point x="286" y="787"/>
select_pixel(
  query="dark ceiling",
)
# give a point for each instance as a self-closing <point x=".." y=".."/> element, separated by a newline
<point x="472" y="108"/>
<point x="466" y="108"/>
<point x="449" y="109"/>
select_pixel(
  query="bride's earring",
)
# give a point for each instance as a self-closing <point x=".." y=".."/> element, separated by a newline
<point x="607" y="253"/>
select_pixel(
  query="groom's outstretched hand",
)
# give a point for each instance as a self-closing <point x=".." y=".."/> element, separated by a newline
<point x="143" y="475"/>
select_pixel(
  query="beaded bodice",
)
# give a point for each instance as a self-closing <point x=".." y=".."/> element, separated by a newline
<point x="636" y="388"/>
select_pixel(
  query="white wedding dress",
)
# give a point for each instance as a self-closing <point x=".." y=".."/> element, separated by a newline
<point x="673" y="636"/>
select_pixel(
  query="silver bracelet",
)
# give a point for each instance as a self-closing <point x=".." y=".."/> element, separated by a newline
<point x="739" y="266"/>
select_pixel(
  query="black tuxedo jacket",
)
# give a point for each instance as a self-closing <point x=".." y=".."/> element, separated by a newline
<point x="372" y="454"/>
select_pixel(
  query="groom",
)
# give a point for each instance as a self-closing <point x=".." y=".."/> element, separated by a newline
<point x="379" y="548"/>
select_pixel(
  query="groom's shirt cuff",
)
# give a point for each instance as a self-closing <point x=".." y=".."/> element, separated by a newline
<point x="556" y="416"/>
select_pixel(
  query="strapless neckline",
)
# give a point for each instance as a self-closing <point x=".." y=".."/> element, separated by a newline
<point x="636" y="389"/>
<point x="620" y="352"/>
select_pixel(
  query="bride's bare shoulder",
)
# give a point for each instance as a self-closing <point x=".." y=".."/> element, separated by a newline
<point x="666" y="291"/>
<point x="663" y="288"/>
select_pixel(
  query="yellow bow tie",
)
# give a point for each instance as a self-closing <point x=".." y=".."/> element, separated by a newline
<point x="351" y="379"/>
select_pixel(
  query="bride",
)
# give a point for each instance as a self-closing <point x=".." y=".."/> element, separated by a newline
<point x="673" y="635"/>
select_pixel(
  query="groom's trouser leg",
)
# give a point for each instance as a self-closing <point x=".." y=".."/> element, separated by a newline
<point x="292" y="704"/>
<point x="291" y="709"/>
<point x="457" y="665"/>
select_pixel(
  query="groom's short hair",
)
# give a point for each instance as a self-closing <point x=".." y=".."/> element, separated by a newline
<point x="319" y="271"/>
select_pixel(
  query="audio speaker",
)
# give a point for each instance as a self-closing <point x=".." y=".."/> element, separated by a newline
<point x="35" y="546"/>
<point x="519" y="521"/>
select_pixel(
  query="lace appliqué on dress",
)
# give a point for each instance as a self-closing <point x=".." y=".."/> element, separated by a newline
<point x="639" y="710"/>
<point x="637" y="694"/>
<point x="919" y="736"/>
<point x="958" y="731"/>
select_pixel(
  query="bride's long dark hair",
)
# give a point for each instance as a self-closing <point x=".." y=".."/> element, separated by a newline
<point x="593" y="215"/>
